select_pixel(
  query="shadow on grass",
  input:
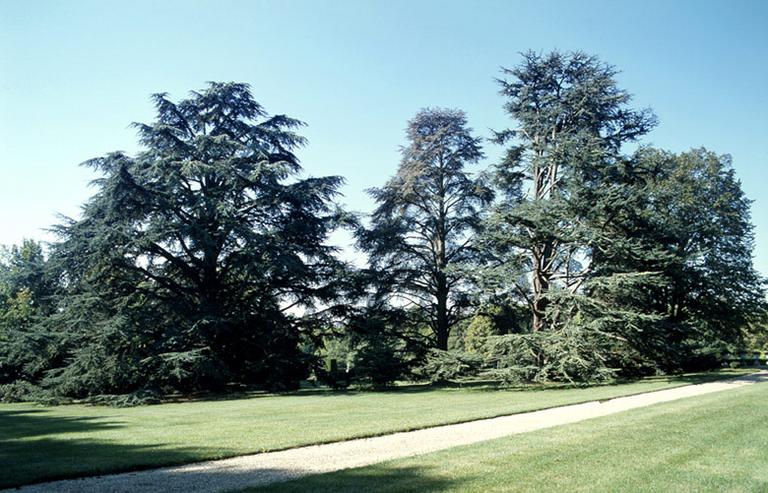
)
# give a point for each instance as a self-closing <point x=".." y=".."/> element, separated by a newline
<point x="388" y="479"/>
<point x="16" y="424"/>
<point x="29" y="455"/>
<point x="29" y="452"/>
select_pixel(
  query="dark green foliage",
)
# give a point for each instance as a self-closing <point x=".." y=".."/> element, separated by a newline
<point x="423" y="227"/>
<point x="494" y="319"/>
<point x="691" y="231"/>
<point x="444" y="366"/>
<point x="194" y="260"/>
<point x="571" y="121"/>
<point x="18" y="391"/>
<point x="633" y="264"/>
<point x="379" y="362"/>
<point x="28" y="287"/>
<point x="386" y="345"/>
<point x="571" y="354"/>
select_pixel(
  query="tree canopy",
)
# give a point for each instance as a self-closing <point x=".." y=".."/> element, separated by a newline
<point x="203" y="262"/>
<point x="194" y="260"/>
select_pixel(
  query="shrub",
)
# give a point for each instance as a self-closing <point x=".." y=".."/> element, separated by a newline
<point x="443" y="366"/>
<point x="18" y="391"/>
<point x="574" y="354"/>
<point x="480" y="328"/>
<point x="379" y="363"/>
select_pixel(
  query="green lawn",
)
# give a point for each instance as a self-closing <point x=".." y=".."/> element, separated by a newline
<point x="39" y="443"/>
<point x="712" y="443"/>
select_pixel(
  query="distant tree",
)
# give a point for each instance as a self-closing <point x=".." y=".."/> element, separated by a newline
<point x="422" y="230"/>
<point x="27" y="295"/>
<point x="23" y="267"/>
<point x="203" y="259"/>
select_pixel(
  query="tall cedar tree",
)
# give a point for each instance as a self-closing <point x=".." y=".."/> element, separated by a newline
<point x="571" y="121"/>
<point x="202" y="260"/>
<point x="422" y="230"/>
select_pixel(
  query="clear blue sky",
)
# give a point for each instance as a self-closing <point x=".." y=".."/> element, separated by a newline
<point x="74" y="74"/>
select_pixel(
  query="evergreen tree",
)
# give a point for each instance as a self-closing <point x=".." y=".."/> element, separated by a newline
<point x="571" y="121"/>
<point x="202" y="260"/>
<point x="422" y="230"/>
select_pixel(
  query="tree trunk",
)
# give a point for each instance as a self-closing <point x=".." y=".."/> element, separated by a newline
<point x="441" y="281"/>
<point x="542" y="254"/>
<point x="442" y="329"/>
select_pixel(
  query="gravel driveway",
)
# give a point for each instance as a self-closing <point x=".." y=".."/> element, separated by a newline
<point x="260" y="469"/>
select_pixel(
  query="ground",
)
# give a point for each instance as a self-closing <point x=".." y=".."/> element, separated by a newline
<point x="43" y="443"/>
<point x="712" y="443"/>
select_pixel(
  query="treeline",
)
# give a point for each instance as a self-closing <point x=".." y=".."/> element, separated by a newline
<point x="202" y="263"/>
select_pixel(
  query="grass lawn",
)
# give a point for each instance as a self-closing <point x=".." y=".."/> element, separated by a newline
<point x="40" y="443"/>
<point x="712" y="443"/>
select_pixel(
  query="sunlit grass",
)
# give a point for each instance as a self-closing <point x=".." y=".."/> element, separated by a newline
<point x="712" y="443"/>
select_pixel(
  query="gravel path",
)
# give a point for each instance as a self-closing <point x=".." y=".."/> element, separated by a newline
<point x="271" y="467"/>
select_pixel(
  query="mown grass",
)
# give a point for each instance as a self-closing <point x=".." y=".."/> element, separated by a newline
<point x="41" y="443"/>
<point x="712" y="443"/>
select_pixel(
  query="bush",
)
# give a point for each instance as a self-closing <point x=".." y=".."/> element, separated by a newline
<point x="572" y="355"/>
<point x="443" y="366"/>
<point x="480" y="328"/>
<point x="138" y="398"/>
<point x="18" y="391"/>
<point x="379" y="363"/>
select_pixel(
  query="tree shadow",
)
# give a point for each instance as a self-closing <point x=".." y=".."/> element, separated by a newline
<point x="15" y="424"/>
<point x="234" y="478"/>
<point x="389" y="479"/>
<point x="36" y="446"/>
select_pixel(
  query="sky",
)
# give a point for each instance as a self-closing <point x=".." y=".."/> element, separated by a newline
<point x="74" y="75"/>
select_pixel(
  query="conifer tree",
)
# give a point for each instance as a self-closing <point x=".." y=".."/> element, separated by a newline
<point x="423" y="228"/>
<point x="571" y="120"/>
<point x="202" y="260"/>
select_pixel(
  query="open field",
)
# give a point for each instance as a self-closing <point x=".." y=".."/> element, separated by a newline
<point x="42" y="443"/>
<point x="710" y="443"/>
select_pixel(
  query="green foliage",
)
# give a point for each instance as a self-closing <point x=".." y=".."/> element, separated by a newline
<point x="192" y="262"/>
<point x="756" y="333"/>
<point x="385" y="346"/>
<point x="572" y="354"/>
<point x="691" y="239"/>
<point x="27" y="296"/>
<point x="379" y="363"/>
<point x="444" y="366"/>
<point x="494" y="319"/>
<point x="571" y="120"/>
<point x="651" y="253"/>
<point x="421" y="235"/>
<point x="480" y="328"/>
<point x="18" y="391"/>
